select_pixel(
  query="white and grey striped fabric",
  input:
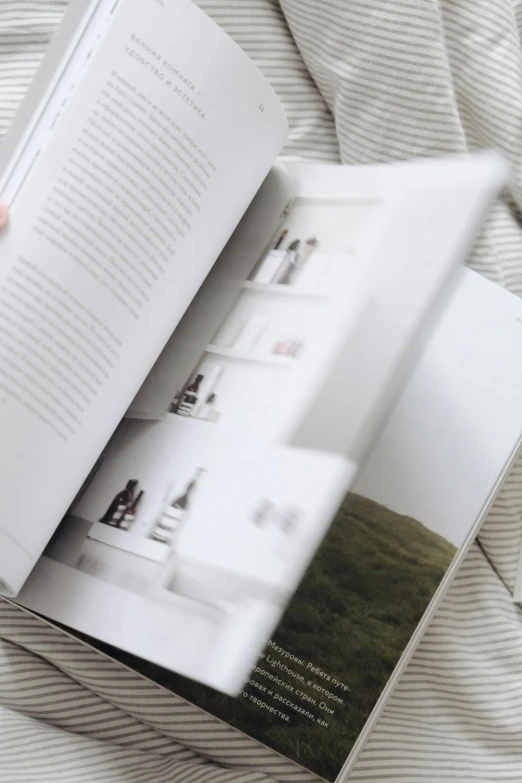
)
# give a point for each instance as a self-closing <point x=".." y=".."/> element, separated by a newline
<point x="361" y="82"/>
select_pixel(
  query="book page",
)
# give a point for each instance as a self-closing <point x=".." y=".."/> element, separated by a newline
<point x="190" y="537"/>
<point x="151" y="158"/>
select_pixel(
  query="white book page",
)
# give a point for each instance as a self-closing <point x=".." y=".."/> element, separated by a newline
<point x="162" y="144"/>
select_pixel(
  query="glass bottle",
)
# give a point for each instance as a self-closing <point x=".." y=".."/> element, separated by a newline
<point x="290" y="260"/>
<point x="189" y="397"/>
<point x="118" y="506"/>
<point x="294" y="271"/>
<point x="174" y="513"/>
<point x="130" y="513"/>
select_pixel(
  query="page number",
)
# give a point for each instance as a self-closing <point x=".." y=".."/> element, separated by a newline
<point x="261" y="107"/>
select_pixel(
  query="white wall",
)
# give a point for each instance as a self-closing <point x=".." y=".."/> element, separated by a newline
<point x="459" y="417"/>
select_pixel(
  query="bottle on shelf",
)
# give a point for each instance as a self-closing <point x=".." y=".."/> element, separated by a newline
<point x="175" y="402"/>
<point x="118" y="515"/>
<point x="262" y="513"/>
<point x="269" y="515"/>
<point x="205" y="412"/>
<point x="266" y="268"/>
<point x="189" y="397"/>
<point x="118" y="506"/>
<point x="175" y="512"/>
<point x="208" y="386"/>
<point x="130" y="513"/>
<point x="290" y="260"/>
<point x="282" y="236"/>
<point x="295" y="270"/>
<point x="290" y="520"/>
<point x="287" y="348"/>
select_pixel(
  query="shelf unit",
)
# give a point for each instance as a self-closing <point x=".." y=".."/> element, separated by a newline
<point x="245" y="356"/>
<point x="275" y="289"/>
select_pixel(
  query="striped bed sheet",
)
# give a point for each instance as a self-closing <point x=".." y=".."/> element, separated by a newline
<point x="361" y="82"/>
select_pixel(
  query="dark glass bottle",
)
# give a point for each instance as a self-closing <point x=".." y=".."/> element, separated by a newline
<point x="281" y="239"/>
<point x="119" y="505"/>
<point x="130" y="513"/>
<point x="189" y="397"/>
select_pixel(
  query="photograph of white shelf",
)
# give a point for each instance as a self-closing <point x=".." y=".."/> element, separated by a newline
<point x="282" y="290"/>
<point x="232" y="353"/>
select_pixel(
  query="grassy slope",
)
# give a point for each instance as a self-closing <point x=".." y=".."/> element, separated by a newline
<point x="352" y="616"/>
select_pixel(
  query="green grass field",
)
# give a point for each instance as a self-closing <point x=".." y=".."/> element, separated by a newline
<point x="352" y="616"/>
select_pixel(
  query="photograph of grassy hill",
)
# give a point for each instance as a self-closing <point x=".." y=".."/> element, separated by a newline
<point x="355" y="611"/>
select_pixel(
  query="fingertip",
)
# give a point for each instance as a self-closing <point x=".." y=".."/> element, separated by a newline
<point x="4" y="215"/>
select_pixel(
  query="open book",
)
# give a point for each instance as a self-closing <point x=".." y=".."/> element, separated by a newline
<point x="198" y="346"/>
<point x="386" y="561"/>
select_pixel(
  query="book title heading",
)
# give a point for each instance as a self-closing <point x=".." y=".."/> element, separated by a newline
<point x="164" y="71"/>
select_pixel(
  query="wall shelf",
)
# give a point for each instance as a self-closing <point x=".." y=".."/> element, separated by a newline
<point x="275" y="289"/>
<point x="127" y="542"/>
<point x="246" y="356"/>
